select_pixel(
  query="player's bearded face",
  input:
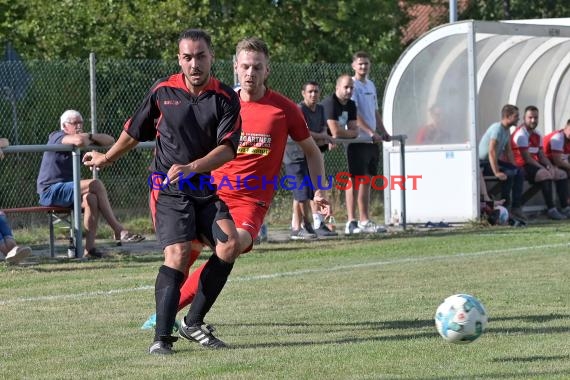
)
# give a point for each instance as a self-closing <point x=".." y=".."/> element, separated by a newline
<point x="531" y="119"/>
<point x="195" y="59"/>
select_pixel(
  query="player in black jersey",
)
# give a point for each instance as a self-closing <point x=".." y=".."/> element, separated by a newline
<point x="195" y="121"/>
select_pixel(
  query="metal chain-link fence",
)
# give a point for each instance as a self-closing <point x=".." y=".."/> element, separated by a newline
<point x="34" y="94"/>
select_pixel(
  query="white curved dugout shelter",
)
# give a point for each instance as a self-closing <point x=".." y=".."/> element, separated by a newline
<point x="457" y="77"/>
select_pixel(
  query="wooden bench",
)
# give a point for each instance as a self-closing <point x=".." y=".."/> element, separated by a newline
<point x="55" y="215"/>
<point x="494" y="189"/>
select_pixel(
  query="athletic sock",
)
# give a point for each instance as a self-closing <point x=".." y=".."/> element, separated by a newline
<point x="210" y="284"/>
<point x="562" y="191"/>
<point x="546" y="187"/>
<point x="166" y="295"/>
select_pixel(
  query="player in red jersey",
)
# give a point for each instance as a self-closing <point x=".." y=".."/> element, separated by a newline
<point x="557" y="147"/>
<point x="526" y="143"/>
<point x="244" y="183"/>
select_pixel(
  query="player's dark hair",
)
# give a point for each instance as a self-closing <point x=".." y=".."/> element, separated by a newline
<point x="195" y="35"/>
<point x="531" y="108"/>
<point x="310" y="83"/>
<point x="509" y="110"/>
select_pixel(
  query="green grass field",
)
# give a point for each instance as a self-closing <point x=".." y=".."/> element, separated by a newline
<point x="341" y="309"/>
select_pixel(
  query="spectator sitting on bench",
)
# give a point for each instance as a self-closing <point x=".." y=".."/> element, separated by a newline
<point x="494" y="148"/>
<point x="55" y="182"/>
<point x="557" y="147"/>
<point x="12" y="252"/>
<point x="526" y="143"/>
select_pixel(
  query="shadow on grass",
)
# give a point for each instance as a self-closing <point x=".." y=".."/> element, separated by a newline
<point x="529" y="359"/>
<point x="425" y="323"/>
<point x="510" y="375"/>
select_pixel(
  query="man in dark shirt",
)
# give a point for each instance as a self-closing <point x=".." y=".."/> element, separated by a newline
<point x="195" y="121"/>
<point x="296" y="167"/>
<point x="55" y="182"/>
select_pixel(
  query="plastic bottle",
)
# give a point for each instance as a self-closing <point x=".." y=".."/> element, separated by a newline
<point x="71" y="249"/>
<point x="395" y="218"/>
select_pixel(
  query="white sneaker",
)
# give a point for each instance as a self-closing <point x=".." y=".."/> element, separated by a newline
<point x="371" y="227"/>
<point x="351" y="228"/>
<point x="18" y="254"/>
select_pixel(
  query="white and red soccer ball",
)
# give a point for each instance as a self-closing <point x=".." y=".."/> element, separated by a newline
<point x="461" y="318"/>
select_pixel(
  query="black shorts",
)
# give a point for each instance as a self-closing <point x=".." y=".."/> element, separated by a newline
<point x="299" y="170"/>
<point x="363" y="159"/>
<point x="179" y="217"/>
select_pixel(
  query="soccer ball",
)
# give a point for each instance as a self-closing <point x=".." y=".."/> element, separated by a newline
<point x="503" y="217"/>
<point x="461" y="319"/>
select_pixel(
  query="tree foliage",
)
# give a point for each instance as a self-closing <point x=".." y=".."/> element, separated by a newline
<point x="515" y="9"/>
<point x="297" y="31"/>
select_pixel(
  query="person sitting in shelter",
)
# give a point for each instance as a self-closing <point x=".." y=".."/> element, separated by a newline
<point x="494" y="150"/>
<point x="55" y="182"/>
<point x="433" y="132"/>
<point x="526" y="142"/>
<point x="557" y="147"/>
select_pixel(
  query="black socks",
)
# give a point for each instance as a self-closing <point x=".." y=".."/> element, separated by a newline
<point x="212" y="281"/>
<point x="167" y="296"/>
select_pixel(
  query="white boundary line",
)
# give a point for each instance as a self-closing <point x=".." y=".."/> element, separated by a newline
<point x="294" y="273"/>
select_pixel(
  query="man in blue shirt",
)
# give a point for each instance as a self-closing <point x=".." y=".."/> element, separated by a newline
<point x="496" y="159"/>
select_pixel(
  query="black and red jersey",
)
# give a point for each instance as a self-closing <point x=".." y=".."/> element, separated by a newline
<point x="186" y="127"/>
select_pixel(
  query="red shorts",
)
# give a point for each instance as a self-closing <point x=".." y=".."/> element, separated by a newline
<point x="247" y="213"/>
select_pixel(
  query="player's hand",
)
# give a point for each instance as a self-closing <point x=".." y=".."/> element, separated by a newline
<point x="324" y="206"/>
<point x="501" y="176"/>
<point x="1" y="155"/>
<point x="95" y="160"/>
<point x="177" y="170"/>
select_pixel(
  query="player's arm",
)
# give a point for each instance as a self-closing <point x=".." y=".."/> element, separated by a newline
<point x="317" y="172"/>
<point x="543" y="160"/>
<point x="321" y="137"/>
<point x="380" y="129"/>
<point x="528" y="158"/>
<point x="338" y="132"/>
<point x="98" y="160"/>
<point x="509" y="152"/>
<point x="3" y="144"/>
<point x="494" y="160"/>
<point x="101" y="139"/>
<point x="559" y="161"/>
<point x="213" y="160"/>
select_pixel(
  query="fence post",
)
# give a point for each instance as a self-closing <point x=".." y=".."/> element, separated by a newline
<point x="93" y="98"/>
<point x="402" y="140"/>
<point x="76" y="156"/>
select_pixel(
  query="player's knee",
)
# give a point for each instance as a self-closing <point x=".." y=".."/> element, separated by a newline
<point x="543" y="175"/>
<point x="90" y="201"/>
<point x="561" y="174"/>
<point x="176" y="256"/>
<point x="96" y="186"/>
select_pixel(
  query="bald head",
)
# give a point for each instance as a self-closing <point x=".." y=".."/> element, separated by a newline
<point x="344" y="88"/>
